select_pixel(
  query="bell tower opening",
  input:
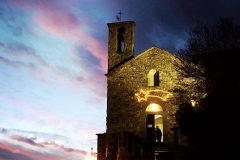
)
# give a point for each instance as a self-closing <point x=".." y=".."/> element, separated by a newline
<point x="120" y="39"/>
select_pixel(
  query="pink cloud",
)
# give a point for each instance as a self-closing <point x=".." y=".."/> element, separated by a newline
<point x="65" y="149"/>
<point x="23" y="57"/>
<point x="97" y="83"/>
<point x="67" y="26"/>
<point x="40" y="116"/>
<point x="45" y="150"/>
<point x="36" y="114"/>
<point x="26" y="140"/>
<point x="59" y="20"/>
<point x="19" y="56"/>
<point x="21" y="3"/>
<point x="56" y="19"/>
<point x="32" y="142"/>
<point x="21" y="153"/>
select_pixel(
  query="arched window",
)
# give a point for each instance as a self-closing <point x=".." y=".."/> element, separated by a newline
<point x="120" y="39"/>
<point x="153" y="78"/>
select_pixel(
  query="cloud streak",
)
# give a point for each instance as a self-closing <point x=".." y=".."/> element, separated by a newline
<point x="19" y="56"/>
<point x="59" y="20"/>
<point x="66" y="25"/>
<point x="29" y="141"/>
<point x="14" y="145"/>
<point x="10" y="152"/>
<point x="7" y="154"/>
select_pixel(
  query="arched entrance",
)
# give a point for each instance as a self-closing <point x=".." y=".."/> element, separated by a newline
<point x="154" y="118"/>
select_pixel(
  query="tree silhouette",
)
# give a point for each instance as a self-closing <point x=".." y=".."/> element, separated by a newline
<point x="210" y="61"/>
<point x="205" y="42"/>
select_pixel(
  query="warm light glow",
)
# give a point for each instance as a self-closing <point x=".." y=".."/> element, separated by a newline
<point x="151" y="74"/>
<point x="157" y="116"/>
<point x="161" y="94"/>
<point x="92" y="157"/>
<point x="142" y="96"/>
<point x="154" y="108"/>
<point x="193" y="102"/>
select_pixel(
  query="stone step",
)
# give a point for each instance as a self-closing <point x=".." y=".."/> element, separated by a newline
<point x="168" y="152"/>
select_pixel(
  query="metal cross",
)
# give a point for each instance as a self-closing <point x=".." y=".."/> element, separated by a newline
<point x="119" y="18"/>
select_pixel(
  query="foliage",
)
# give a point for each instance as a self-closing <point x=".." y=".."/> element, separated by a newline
<point x="205" y="39"/>
<point x="188" y="121"/>
<point x="210" y="59"/>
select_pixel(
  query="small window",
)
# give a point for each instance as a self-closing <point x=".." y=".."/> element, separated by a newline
<point x="120" y="39"/>
<point x="153" y="78"/>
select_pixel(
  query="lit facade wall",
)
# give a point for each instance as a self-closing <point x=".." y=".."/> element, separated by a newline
<point x="124" y="111"/>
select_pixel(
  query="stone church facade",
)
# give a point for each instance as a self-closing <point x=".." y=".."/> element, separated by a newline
<point x="139" y="97"/>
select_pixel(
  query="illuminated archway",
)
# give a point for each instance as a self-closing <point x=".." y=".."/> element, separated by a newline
<point x="154" y="118"/>
<point x="154" y="108"/>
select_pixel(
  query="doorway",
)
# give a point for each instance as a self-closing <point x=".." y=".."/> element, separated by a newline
<point x="150" y="129"/>
<point x="154" y="118"/>
<point x="158" y="121"/>
<point x="152" y="121"/>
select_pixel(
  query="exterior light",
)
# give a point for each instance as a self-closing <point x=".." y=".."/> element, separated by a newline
<point x="91" y="157"/>
<point x="193" y="102"/>
<point x="154" y="108"/>
<point x="157" y="93"/>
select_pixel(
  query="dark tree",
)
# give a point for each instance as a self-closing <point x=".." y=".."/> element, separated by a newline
<point x="209" y="71"/>
<point x="206" y="40"/>
<point x="188" y="121"/>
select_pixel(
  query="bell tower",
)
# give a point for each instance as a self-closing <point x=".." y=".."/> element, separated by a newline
<point x="120" y="43"/>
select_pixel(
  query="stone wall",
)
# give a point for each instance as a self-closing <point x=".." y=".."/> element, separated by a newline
<point x="124" y="112"/>
<point x="101" y="146"/>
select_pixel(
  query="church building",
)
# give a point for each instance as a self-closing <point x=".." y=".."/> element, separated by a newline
<point x="139" y="97"/>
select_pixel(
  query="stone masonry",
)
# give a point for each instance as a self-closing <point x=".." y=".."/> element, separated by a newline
<point x="124" y="112"/>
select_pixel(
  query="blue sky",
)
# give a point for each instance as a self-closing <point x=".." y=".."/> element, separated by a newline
<point x="53" y="57"/>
